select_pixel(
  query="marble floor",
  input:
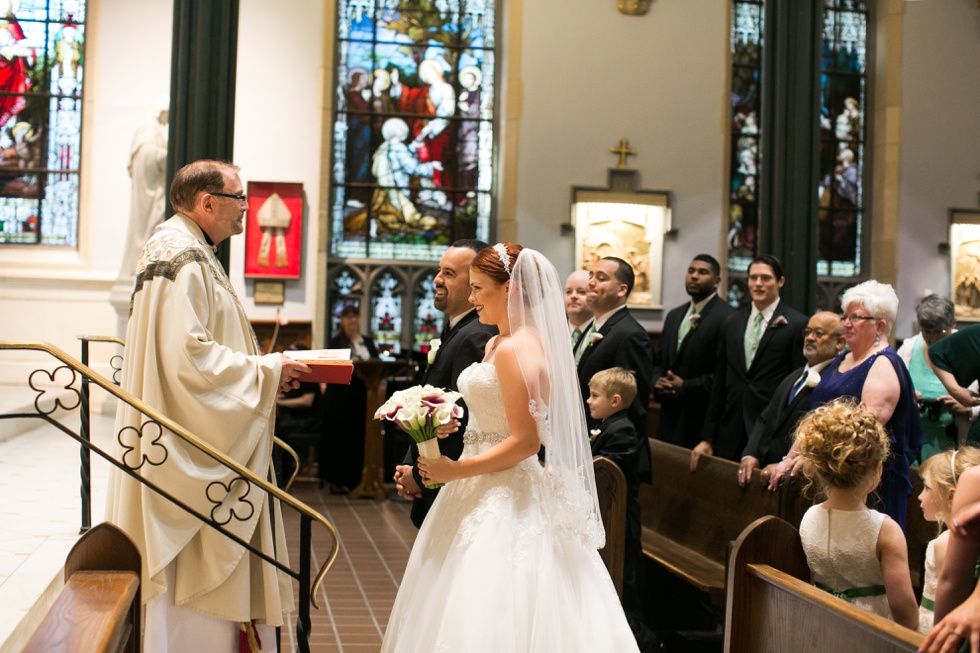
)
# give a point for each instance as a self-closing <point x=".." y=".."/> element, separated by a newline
<point x="40" y="517"/>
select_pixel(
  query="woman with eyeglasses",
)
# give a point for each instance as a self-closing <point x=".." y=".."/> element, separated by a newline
<point x="873" y="373"/>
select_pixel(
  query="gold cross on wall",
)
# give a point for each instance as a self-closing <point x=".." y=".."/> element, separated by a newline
<point x="623" y="151"/>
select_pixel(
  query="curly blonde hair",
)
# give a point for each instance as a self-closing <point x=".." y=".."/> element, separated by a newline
<point x="941" y="472"/>
<point x="842" y="444"/>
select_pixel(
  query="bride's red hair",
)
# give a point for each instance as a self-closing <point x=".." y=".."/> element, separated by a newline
<point x="489" y="262"/>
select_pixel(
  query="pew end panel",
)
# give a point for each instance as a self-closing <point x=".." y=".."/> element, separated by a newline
<point x="771" y="606"/>
<point x="611" y="489"/>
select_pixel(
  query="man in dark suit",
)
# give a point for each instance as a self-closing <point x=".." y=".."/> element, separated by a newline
<point x="772" y="436"/>
<point x="616" y="339"/>
<point x="760" y="344"/>
<point x="462" y="344"/>
<point x="684" y="367"/>
<point x="577" y="310"/>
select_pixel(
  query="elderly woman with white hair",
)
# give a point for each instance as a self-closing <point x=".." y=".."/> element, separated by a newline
<point x="872" y="372"/>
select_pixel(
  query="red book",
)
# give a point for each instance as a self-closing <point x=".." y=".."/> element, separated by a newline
<point x="327" y="365"/>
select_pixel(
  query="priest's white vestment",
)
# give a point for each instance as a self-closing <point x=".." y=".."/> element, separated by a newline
<point x="192" y="355"/>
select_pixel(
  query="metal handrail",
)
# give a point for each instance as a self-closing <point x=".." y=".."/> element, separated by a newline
<point x="308" y="514"/>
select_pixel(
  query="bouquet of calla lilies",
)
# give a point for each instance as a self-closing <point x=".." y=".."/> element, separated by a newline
<point x="419" y="411"/>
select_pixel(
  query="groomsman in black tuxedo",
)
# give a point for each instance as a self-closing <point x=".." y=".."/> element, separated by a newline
<point x="759" y="346"/>
<point x="462" y="343"/>
<point x="684" y="368"/>
<point x="772" y="436"/>
<point x="577" y="310"/>
<point x="616" y="339"/>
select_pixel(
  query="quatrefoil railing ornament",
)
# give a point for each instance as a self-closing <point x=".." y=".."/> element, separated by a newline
<point x="46" y="401"/>
<point x="230" y="501"/>
<point x="147" y="438"/>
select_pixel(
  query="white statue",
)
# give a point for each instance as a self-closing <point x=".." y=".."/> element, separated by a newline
<point x="148" y="170"/>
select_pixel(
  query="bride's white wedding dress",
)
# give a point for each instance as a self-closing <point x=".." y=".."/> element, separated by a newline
<point x="489" y="572"/>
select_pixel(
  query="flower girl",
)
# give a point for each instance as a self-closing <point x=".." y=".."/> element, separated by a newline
<point x="939" y="475"/>
<point x="853" y="552"/>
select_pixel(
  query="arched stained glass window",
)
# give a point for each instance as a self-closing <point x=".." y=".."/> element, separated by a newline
<point x="844" y="89"/>
<point x="428" y="320"/>
<point x="413" y="128"/>
<point x="743" y="209"/>
<point x="842" y="138"/>
<point x="346" y="289"/>
<point x="42" y="57"/>
<point x="386" y="312"/>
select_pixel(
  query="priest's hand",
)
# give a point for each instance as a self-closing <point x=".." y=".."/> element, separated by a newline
<point x="289" y="376"/>
<point x="405" y="483"/>
<point x="437" y="470"/>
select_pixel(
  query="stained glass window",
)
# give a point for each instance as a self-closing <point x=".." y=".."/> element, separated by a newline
<point x="843" y="94"/>
<point x="386" y="312"/>
<point x="413" y="130"/>
<point x="743" y="209"/>
<point x="42" y="57"/>
<point x="428" y="319"/>
<point x="346" y="289"/>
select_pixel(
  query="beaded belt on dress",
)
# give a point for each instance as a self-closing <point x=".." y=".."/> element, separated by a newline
<point x="471" y="436"/>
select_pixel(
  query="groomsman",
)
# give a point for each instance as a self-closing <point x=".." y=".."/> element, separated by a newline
<point x="684" y="368"/>
<point x="577" y="310"/>
<point x="616" y="339"/>
<point x="760" y="344"/>
<point x="462" y="343"/>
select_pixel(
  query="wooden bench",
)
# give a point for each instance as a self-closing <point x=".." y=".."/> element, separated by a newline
<point x="771" y="606"/>
<point x="611" y="488"/>
<point x="689" y="520"/>
<point x="99" y="608"/>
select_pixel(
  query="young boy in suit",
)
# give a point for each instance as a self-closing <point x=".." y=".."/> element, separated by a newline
<point x="611" y="392"/>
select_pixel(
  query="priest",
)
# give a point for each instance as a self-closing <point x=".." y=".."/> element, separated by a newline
<point x="191" y="354"/>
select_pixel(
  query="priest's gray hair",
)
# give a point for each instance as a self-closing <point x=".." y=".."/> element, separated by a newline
<point x="205" y="175"/>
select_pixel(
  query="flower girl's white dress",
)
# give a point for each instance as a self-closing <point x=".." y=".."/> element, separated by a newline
<point x="489" y="573"/>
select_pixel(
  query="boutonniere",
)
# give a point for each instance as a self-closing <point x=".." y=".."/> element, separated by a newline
<point x="694" y="320"/>
<point x="778" y="322"/>
<point x="812" y="379"/>
<point x="594" y="338"/>
<point x="433" y="348"/>
<point x="594" y="433"/>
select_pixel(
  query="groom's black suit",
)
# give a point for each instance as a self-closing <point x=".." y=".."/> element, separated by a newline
<point x="462" y="346"/>
<point x="625" y="343"/>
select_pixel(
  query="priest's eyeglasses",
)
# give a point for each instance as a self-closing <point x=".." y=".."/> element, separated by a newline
<point x="240" y="198"/>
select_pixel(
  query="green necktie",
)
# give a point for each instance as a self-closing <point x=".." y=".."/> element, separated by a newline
<point x="581" y="349"/>
<point x="752" y="340"/>
<point x="685" y="326"/>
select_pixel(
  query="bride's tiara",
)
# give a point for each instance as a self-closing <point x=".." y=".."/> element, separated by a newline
<point x="504" y="257"/>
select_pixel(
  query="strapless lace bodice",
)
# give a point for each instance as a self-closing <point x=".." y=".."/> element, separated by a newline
<point x="485" y="403"/>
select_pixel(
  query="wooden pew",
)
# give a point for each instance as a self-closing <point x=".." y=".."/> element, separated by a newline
<point x="99" y="608"/>
<point x="611" y="488"/>
<point x="690" y="519"/>
<point x="770" y="607"/>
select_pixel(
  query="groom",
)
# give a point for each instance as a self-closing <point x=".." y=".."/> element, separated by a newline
<point x="462" y="344"/>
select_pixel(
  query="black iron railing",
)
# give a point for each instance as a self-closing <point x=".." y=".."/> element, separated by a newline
<point x="75" y="395"/>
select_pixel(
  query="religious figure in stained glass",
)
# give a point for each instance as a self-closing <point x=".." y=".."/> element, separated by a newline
<point x="42" y="45"/>
<point x="413" y="136"/>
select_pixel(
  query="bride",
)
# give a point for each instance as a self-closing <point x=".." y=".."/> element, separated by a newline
<point x="506" y="560"/>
